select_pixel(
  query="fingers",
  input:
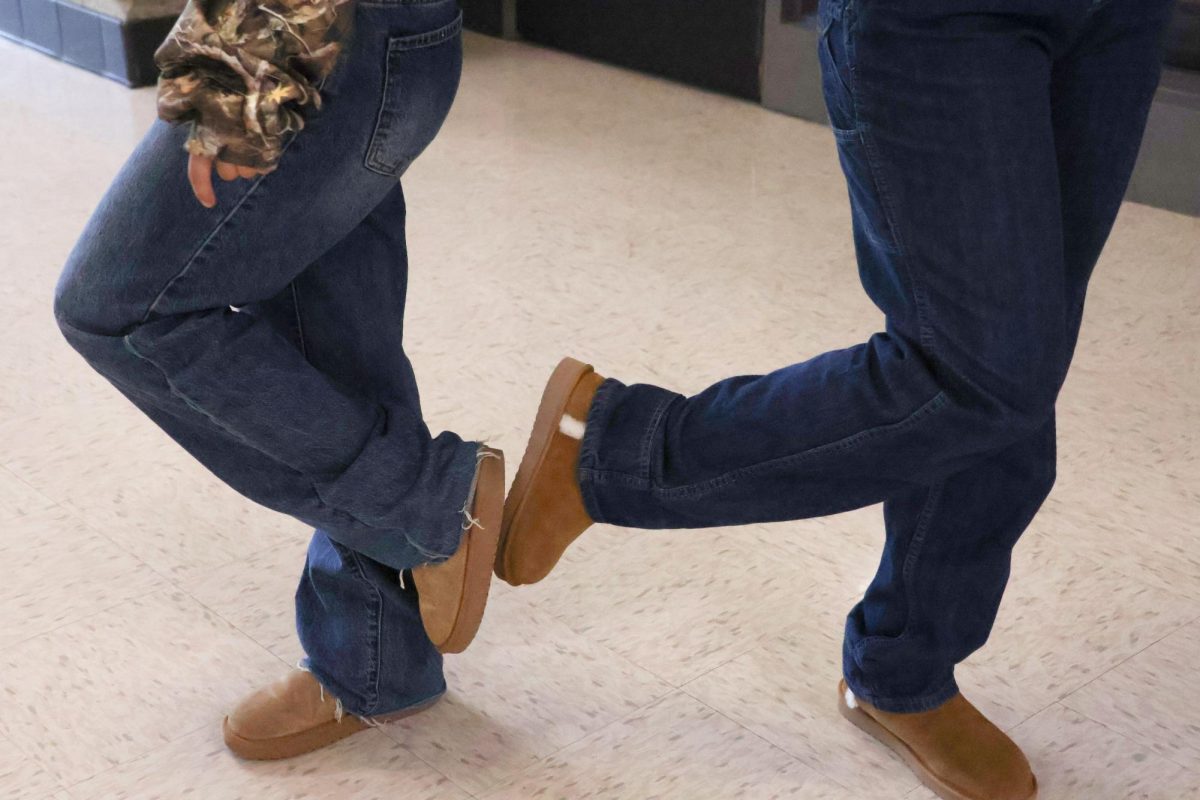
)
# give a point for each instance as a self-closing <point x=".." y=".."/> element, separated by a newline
<point x="200" y="177"/>
<point x="227" y="171"/>
<point x="200" y="170"/>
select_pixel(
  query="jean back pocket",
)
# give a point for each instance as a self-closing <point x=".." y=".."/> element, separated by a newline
<point x="422" y="75"/>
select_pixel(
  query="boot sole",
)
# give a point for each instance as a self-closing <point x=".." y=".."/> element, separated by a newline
<point x="557" y="394"/>
<point x="483" y="543"/>
<point x="865" y="722"/>
<point x="297" y="744"/>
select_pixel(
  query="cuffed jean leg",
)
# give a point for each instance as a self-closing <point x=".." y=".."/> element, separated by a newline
<point x="362" y="632"/>
<point x="945" y="565"/>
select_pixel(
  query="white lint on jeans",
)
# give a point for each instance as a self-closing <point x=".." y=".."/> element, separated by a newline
<point x="569" y="426"/>
<point x="851" y="700"/>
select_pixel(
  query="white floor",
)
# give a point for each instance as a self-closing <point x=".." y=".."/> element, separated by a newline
<point x="663" y="234"/>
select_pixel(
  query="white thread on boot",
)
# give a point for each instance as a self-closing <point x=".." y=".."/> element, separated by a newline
<point x="851" y="700"/>
<point x="470" y="522"/>
<point x="569" y="426"/>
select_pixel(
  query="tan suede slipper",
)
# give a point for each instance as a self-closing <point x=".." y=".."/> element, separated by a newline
<point x="544" y="512"/>
<point x="294" y="716"/>
<point x="953" y="749"/>
<point x="453" y="594"/>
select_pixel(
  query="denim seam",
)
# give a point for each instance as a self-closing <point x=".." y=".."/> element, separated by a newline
<point x="192" y="404"/>
<point x="373" y="626"/>
<point x="592" y="433"/>
<point x="866" y="136"/>
<point x="931" y="406"/>
<point x="401" y="44"/>
<point x="213" y="235"/>
<point x="127" y="340"/>
<point x="593" y="430"/>
<point x="651" y="430"/>
<point x="299" y="320"/>
<point x="915" y="548"/>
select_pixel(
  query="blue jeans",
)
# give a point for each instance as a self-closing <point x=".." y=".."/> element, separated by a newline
<point x="265" y="336"/>
<point x="987" y="145"/>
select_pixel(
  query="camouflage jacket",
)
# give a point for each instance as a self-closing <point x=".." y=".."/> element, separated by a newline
<point x="244" y="72"/>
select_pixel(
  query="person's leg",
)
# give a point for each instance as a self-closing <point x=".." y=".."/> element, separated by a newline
<point x="265" y="336"/>
<point x="946" y="562"/>
<point x="941" y="111"/>
<point x="360" y="627"/>
<point x="942" y="118"/>
<point x="146" y="297"/>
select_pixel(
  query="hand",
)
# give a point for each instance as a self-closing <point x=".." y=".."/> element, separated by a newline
<point x="200" y="176"/>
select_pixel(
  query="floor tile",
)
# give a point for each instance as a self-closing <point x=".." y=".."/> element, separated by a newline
<point x="20" y="776"/>
<point x="1078" y="759"/>
<point x="680" y="603"/>
<point x="666" y="235"/>
<point x="257" y="596"/>
<point x="527" y="687"/>
<point x="1152" y="698"/>
<point x="1064" y="621"/>
<point x="118" y="684"/>
<point x="136" y="486"/>
<point x="786" y="692"/>
<point x="677" y="748"/>
<point x="18" y="499"/>
<point x="59" y="571"/>
<point x="367" y="766"/>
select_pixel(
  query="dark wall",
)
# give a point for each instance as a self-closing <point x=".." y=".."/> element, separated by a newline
<point x="1183" y="40"/>
<point x="715" y="44"/>
<point x="484" y="16"/>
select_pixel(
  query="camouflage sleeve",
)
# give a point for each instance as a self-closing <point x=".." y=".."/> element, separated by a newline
<point x="243" y="72"/>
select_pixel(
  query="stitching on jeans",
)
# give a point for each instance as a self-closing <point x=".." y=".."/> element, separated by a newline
<point x="392" y="76"/>
<point x="592" y="428"/>
<point x="935" y="404"/>
<point x="299" y="320"/>
<point x="192" y="404"/>
<point x="889" y="210"/>
<point x="885" y="196"/>
<point x="915" y="548"/>
<point x="375" y="625"/>
<point x="213" y="234"/>
<point x="651" y="430"/>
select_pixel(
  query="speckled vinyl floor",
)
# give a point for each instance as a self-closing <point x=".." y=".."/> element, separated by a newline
<point x="663" y="234"/>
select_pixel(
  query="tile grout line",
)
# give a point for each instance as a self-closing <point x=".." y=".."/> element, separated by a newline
<point x="68" y="786"/>
<point x="1135" y="740"/>
<point x="6" y="648"/>
<point x="1119" y="664"/>
<point x="591" y="734"/>
<point x="1062" y="701"/>
<point x="767" y="741"/>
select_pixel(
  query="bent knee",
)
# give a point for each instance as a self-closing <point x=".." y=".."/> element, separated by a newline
<point x="88" y="302"/>
<point x="1013" y="409"/>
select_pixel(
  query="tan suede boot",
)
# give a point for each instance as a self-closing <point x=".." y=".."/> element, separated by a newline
<point x="294" y="716"/>
<point x="454" y="593"/>
<point x="953" y="749"/>
<point x="544" y="512"/>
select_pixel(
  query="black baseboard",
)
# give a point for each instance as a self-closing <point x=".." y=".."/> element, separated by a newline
<point x="483" y="16"/>
<point x="714" y="44"/>
<point x="123" y="51"/>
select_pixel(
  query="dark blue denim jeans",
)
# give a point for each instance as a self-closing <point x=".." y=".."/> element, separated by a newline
<point x="265" y="336"/>
<point x="987" y="146"/>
